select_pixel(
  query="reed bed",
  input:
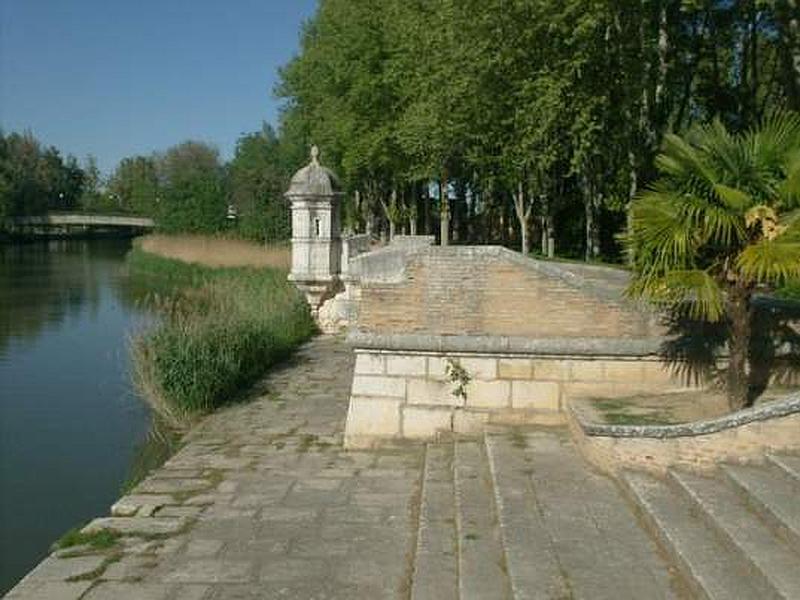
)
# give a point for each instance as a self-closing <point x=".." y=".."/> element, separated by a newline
<point x="219" y="331"/>
<point x="214" y="251"/>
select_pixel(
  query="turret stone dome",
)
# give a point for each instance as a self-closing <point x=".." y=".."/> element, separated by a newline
<point x="314" y="180"/>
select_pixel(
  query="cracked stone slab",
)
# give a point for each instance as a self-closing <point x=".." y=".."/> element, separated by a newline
<point x="60" y="569"/>
<point x="211" y="571"/>
<point x="128" y="506"/>
<point x="49" y="591"/>
<point x="172" y="486"/>
<point x="137" y="525"/>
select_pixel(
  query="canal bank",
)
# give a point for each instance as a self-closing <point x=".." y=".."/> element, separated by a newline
<point x="72" y="427"/>
<point x="110" y="284"/>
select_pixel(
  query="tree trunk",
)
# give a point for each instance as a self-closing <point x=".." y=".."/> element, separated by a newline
<point x="426" y="209"/>
<point x="591" y="205"/>
<point x="789" y="49"/>
<point x="523" y="215"/>
<point x="737" y="379"/>
<point x="444" y="210"/>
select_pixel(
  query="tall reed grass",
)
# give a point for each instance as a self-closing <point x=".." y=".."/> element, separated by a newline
<point x="219" y="331"/>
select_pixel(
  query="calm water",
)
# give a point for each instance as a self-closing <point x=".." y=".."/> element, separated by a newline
<point x="72" y="429"/>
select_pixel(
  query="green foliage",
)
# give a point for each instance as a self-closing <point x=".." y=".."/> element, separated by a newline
<point x="102" y="539"/>
<point x="135" y="184"/>
<point x="721" y="215"/>
<point x="35" y="179"/>
<point x="192" y="184"/>
<point x="459" y="377"/>
<point x="550" y="111"/>
<point x="257" y="180"/>
<point x="217" y="336"/>
<point x="719" y="225"/>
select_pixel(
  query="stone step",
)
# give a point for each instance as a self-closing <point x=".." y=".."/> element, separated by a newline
<point x="789" y="464"/>
<point x="435" y="574"/>
<point x="587" y="517"/>
<point x="773" y="565"/>
<point x="481" y="561"/>
<point x="772" y="492"/>
<point x="711" y="569"/>
<point x="531" y="560"/>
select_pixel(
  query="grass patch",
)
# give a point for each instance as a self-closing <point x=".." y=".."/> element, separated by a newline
<point x="221" y="329"/>
<point x="518" y="440"/>
<point x="628" y="419"/>
<point x="97" y="540"/>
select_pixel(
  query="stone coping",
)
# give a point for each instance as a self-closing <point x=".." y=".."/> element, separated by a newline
<point x="772" y="410"/>
<point x="481" y="344"/>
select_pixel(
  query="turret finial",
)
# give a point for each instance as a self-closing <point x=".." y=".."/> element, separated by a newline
<point x="314" y="155"/>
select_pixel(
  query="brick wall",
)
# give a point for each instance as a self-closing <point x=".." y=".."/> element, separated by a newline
<point x="493" y="291"/>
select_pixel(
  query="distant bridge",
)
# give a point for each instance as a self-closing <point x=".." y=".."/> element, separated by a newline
<point x="65" y="224"/>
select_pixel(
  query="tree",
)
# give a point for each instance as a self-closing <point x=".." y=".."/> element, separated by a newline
<point x="194" y="198"/>
<point x="257" y="180"/>
<point x="93" y="198"/>
<point x="720" y="224"/>
<point x="135" y="184"/>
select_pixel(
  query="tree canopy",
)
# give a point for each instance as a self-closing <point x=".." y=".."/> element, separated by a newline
<point x="541" y="110"/>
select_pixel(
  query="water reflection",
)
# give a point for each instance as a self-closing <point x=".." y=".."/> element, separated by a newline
<point x="73" y="432"/>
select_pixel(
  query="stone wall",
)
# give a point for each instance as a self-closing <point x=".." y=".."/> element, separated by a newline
<point x="532" y="335"/>
<point x="494" y="291"/>
<point x="743" y="436"/>
<point x="402" y="394"/>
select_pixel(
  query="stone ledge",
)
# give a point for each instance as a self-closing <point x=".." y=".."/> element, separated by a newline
<point x="566" y="347"/>
<point x="773" y="410"/>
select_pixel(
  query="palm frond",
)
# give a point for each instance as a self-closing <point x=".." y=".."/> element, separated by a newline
<point x="770" y="261"/>
<point x="661" y="232"/>
<point x="684" y="163"/>
<point x="695" y="291"/>
<point x="733" y="198"/>
<point x="713" y="223"/>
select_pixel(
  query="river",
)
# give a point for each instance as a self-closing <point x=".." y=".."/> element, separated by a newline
<point x="72" y="429"/>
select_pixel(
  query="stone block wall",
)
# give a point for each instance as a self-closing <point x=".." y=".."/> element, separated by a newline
<point x="400" y="394"/>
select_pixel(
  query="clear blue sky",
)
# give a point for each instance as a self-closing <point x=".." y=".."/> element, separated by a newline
<point x="115" y="78"/>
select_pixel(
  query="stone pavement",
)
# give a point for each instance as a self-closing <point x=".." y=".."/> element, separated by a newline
<point x="263" y="502"/>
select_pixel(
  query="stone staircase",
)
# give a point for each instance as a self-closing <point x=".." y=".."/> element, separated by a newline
<point x="735" y="534"/>
<point x="521" y="515"/>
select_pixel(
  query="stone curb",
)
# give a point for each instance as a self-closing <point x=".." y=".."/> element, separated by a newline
<point x="779" y="408"/>
<point x="594" y="347"/>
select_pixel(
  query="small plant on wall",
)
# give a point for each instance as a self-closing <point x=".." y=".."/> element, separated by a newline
<point x="458" y="376"/>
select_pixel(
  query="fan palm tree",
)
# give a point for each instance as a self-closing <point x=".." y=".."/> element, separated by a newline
<point x="720" y="224"/>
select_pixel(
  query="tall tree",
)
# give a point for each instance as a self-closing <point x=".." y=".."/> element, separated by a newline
<point x="257" y="180"/>
<point x="190" y="175"/>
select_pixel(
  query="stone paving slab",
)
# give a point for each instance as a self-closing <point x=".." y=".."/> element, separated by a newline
<point x="263" y="502"/>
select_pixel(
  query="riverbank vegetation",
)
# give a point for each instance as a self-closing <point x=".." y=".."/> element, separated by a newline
<point x="220" y="330"/>
<point x="217" y="251"/>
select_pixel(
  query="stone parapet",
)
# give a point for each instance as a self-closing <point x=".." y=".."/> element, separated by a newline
<point x="746" y="435"/>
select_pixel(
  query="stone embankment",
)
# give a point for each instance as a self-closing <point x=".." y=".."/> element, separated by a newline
<point x="264" y="502"/>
